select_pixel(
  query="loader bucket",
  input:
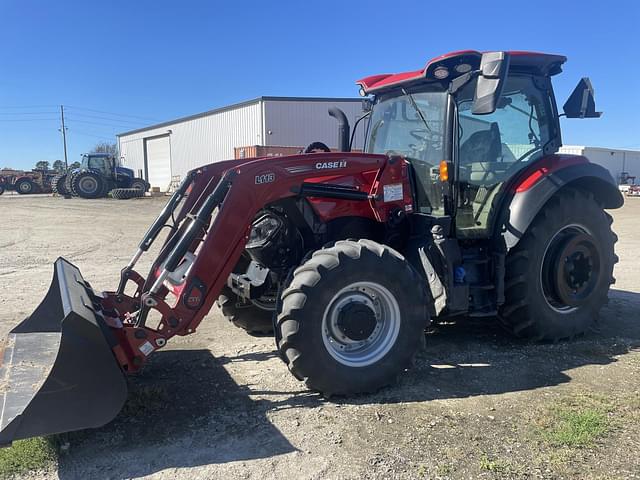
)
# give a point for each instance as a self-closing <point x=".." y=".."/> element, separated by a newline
<point x="58" y="370"/>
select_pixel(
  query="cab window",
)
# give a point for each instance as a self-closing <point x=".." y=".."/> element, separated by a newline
<point x="492" y="148"/>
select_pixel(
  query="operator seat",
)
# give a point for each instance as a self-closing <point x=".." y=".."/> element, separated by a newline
<point x="480" y="152"/>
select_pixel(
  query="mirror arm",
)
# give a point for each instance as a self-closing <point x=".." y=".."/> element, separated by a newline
<point x="459" y="82"/>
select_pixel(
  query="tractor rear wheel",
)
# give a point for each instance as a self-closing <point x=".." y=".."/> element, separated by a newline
<point x="25" y="186"/>
<point x="351" y="318"/>
<point x="88" y="185"/>
<point x="254" y="320"/>
<point x="558" y="276"/>
<point x="58" y="184"/>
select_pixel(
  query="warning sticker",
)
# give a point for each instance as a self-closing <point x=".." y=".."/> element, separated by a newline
<point x="146" y="348"/>
<point x="393" y="192"/>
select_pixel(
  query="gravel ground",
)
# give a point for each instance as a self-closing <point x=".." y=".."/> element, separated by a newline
<point x="220" y="404"/>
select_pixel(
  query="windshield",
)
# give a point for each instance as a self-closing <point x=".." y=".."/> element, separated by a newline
<point x="396" y="128"/>
<point x="97" y="162"/>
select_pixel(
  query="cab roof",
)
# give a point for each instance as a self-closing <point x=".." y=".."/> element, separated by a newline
<point x="457" y="63"/>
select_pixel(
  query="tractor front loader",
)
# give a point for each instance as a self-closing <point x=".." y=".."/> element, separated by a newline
<point x="459" y="206"/>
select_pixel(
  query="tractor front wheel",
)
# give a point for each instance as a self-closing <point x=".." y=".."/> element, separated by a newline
<point x="352" y="318"/>
<point x="88" y="185"/>
<point x="247" y="316"/>
<point x="558" y="275"/>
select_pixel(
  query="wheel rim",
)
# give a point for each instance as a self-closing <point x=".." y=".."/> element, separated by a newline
<point x="570" y="269"/>
<point x="361" y="324"/>
<point x="88" y="185"/>
<point x="25" y="187"/>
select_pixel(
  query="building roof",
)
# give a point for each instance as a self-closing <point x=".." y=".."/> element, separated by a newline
<point x="238" y="105"/>
<point x="543" y="63"/>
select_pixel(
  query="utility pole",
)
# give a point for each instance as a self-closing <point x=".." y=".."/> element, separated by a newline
<point x="64" y="138"/>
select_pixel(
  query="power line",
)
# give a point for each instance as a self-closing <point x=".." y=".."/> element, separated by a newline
<point x="78" y="132"/>
<point x="99" y="123"/>
<point x="112" y="113"/>
<point x="27" y="113"/>
<point x="26" y="119"/>
<point x="26" y="106"/>
<point x="135" y="122"/>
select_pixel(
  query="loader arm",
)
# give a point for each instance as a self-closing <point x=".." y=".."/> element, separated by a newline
<point x="211" y="231"/>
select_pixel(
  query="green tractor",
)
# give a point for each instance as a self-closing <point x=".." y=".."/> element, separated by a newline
<point x="98" y="175"/>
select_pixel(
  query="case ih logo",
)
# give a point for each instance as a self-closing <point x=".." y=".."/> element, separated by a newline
<point x="325" y="165"/>
<point x="265" y="178"/>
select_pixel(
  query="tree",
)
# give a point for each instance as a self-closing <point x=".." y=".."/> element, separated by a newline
<point x="42" y="165"/>
<point x="74" y="165"/>
<point x="58" y="166"/>
<point x="106" y="147"/>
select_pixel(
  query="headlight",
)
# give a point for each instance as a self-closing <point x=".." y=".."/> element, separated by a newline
<point x="262" y="230"/>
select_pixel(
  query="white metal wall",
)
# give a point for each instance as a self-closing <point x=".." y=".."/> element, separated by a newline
<point x="614" y="160"/>
<point x="210" y="138"/>
<point x="299" y="123"/>
<point x="198" y="141"/>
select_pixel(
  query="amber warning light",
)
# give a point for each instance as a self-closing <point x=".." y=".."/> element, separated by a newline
<point x="444" y="171"/>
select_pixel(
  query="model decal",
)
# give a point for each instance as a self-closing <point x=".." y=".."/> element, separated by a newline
<point x="265" y="178"/>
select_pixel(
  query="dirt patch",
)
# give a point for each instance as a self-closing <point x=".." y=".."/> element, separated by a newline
<point x="220" y="404"/>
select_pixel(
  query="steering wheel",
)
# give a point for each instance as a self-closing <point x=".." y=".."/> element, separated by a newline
<point x="315" y="146"/>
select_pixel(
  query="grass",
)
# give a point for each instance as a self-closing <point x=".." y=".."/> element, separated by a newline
<point x="27" y="455"/>
<point x="143" y="400"/>
<point x="494" y="465"/>
<point x="577" y="422"/>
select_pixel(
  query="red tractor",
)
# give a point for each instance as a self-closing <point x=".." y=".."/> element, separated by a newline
<point x="459" y="206"/>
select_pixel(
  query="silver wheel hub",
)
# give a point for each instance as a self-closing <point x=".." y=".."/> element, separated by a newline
<point x="361" y="324"/>
<point x="89" y="185"/>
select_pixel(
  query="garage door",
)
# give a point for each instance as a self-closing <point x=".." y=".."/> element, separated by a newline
<point x="158" y="160"/>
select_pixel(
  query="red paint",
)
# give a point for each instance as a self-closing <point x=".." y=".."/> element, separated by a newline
<point x="545" y="63"/>
<point x="545" y="166"/>
<point x="225" y="240"/>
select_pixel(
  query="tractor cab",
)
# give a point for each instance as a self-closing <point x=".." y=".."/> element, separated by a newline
<point x="469" y="124"/>
<point x="101" y="163"/>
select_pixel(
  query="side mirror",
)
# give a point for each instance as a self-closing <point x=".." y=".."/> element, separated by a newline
<point x="493" y="72"/>
<point x="367" y="105"/>
<point x="581" y="102"/>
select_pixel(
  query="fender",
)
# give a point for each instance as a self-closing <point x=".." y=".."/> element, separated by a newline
<point x="531" y="191"/>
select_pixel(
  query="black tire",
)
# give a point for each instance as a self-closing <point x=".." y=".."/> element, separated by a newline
<point x="88" y="185"/>
<point x="68" y="183"/>
<point x="126" y="193"/>
<point x="339" y="276"/>
<point x="58" y="184"/>
<point x="1" y="189"/>
<point x="24" y="186"/>
<point x="252" y="319"/>
<point x="140" y="184"/>
<point x="558" y="276"/>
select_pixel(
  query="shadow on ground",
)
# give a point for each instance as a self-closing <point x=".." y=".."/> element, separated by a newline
<point x="186" y="401"/>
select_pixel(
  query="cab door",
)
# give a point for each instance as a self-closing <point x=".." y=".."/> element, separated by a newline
<point x="492" y="148"/>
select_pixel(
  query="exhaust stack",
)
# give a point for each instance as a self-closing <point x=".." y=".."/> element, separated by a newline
<point x="343" y="128"/>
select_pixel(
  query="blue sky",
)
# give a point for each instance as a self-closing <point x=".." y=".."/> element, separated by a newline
<point x="149" y="61"/>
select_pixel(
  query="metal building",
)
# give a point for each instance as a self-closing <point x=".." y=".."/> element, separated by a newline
<point x="623" y="164"/>
<point x="166" y="151"/>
